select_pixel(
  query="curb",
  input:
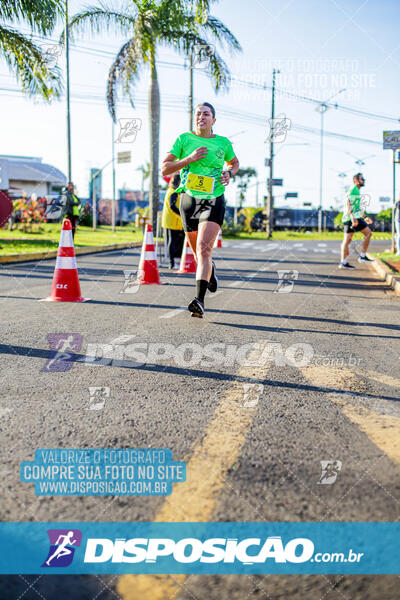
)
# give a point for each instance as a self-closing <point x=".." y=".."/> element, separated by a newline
<point x="16" y="258"/>
<point x="387" y="275"/>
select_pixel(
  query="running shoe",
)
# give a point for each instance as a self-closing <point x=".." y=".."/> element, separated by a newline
<point x="346" y="266"/>
<point x="213" y="283"/>
<point x="196" y="308"/>
<point x="362" y="259"/>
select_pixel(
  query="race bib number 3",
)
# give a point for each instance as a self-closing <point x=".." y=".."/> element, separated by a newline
<point x="200" y="183"/>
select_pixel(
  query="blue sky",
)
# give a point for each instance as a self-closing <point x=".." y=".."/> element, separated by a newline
<point x="319" y="47"/>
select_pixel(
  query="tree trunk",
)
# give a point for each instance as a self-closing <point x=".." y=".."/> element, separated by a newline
<point x="154" y="112"/>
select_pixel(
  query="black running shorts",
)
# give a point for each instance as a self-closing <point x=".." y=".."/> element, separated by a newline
<point x="348" y="227"/>
<point x="197" y="210"/>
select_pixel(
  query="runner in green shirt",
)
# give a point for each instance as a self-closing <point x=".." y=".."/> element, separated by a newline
<point x="353" y="220"/>
<point x="201" y="157"/>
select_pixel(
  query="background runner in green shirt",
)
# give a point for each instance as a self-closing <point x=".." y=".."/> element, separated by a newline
<point x="353" y="221"/>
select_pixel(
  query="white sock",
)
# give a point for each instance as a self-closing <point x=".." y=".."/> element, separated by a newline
<point x="344" y="261"/>
<point x="362" y="254"/>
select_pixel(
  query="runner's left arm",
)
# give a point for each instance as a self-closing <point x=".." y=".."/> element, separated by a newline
<point x="230" y="170"/>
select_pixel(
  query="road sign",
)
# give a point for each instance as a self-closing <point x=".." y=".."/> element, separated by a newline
<point x="391" y="140"/>
<point x="277" y="182"/>
<point x="291" y="195"/>
<point x="385" y="199"/>
<point x="123" y="157"/>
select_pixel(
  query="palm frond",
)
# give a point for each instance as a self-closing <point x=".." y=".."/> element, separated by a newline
<point x="126" y="70"/>
<point x="188" y="42"/>
<point x="220" y="33"/>
<point x="41" y="16"/>
<point x="32" y="69"/>
<point x="96" y="19"/>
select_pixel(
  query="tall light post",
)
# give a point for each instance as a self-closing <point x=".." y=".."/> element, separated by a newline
<point x="113" y="178"/>
<point x="322" y="108"/>
<point x="270" y="205"/>
<point x="66" y="38"/>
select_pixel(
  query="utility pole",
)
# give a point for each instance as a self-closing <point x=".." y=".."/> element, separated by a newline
<point x="322" y="108"/>
<point x="66" y="36"/>
<point x="113" y="179"/>
<point x="270" y="205"/>
<point x="191" y="92"/>
<point x="394" y="203"/>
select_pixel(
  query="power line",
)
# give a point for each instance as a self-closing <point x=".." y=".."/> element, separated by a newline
<point x="291" y="95"/>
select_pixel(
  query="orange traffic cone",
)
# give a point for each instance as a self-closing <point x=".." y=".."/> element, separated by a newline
<point x="218" y="240"/>
<point x="188" y="263"/>
<point x="148" y="268"/>
<point x="66" y="287"/>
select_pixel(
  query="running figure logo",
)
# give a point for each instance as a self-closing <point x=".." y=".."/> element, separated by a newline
<point x="131" y="283"/>
<point x="286" y="281"/>
<point x="62" y="547"/>
<point x="278" y="128"/>
<point x="128" y="129"/>
<point x="61" y="360"/>
<point x="330" y="471"/>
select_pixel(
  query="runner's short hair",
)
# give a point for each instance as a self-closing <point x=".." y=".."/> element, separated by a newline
<point x="210" y="106"/>
<point x="357" y="175"/>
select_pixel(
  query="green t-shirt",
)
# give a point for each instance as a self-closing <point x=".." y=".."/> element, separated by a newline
<point x="219" y="151"/>
<point x="355" y="199"/>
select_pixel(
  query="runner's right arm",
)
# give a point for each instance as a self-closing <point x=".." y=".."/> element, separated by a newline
<point x="172" y="165"/>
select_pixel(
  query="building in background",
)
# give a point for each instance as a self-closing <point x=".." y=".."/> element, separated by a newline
<point x="20" y="175"/>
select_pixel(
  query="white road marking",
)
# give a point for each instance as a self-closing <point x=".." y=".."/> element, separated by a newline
<point x="235" y="283"/>
<point x="251" y="275"/>
<point x="322" y="245"/>
<point x="123" y="339"/>
<point x="5" y="411"/>
<point x="172" y="313"/>
<point x="214" y="294"/>
<point x="270" y="247"/>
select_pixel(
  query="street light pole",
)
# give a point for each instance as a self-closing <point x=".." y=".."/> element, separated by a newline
<point x="270" y="206"/>
<point x="66" y="37"/>
<point x="191" y="92"/>
<point x="322" y="108"/>
<point x="394" y="202"/>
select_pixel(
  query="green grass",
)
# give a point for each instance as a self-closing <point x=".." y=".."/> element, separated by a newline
<point x="385" y="256"/>
<point x="18" y="242"/>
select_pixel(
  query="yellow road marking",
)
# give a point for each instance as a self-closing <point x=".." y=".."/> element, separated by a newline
<point x="380" y="378"/>
<point x="383" y="430"/>
<point x="207" y="469"/>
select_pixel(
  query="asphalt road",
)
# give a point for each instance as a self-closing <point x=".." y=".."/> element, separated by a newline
<point x="253" y="435"/>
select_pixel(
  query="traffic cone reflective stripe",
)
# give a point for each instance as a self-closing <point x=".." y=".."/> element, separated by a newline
<point x="218" y="240"/>
<point x="66" y="286"/>
<point x="148" y="267"/>
<point x="188" y="262"/>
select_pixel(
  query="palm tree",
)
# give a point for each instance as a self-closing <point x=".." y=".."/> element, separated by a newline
<point x="32" y="67"/>
<point x="151" y="24"/>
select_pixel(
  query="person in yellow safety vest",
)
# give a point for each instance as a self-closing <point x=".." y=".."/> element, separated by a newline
<point x="72" y="206"/>
<point x="172" y="222"/>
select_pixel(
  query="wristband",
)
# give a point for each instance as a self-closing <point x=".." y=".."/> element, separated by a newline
<point x="230" y="173"/>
